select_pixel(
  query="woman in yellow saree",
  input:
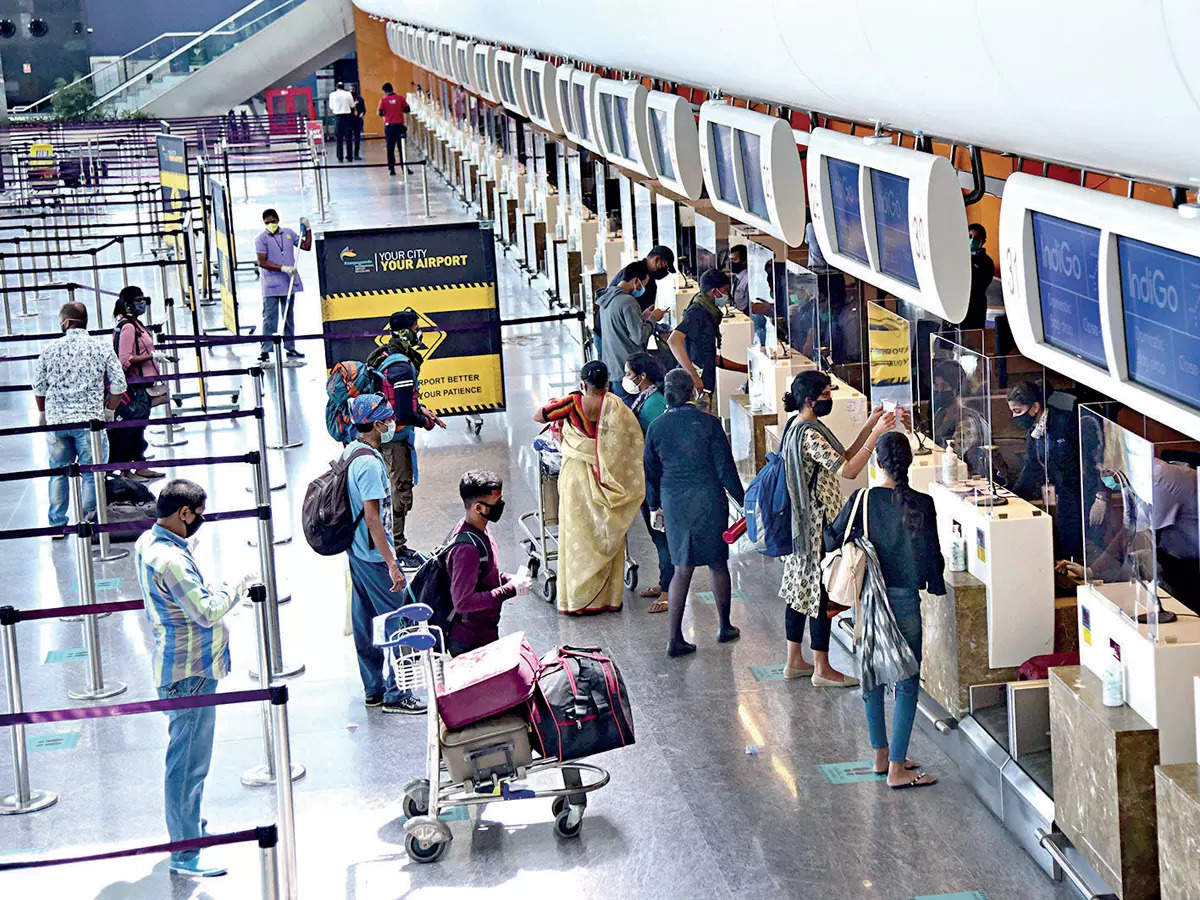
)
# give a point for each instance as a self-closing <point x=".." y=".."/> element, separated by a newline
<point x="600" y="490"/>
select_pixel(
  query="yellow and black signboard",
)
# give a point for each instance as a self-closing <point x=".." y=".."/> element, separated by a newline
<point x="223" y="253"/>
<point x="890" y="355"/>
<point x="172" y="178"/>
<point x="447" y="274"/>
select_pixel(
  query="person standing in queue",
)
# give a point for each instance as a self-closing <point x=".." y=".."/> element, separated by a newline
<point x="689" y="470"/>
<point x="360" y="115"/>
<point x="341" y="107"/>
<point x="625" y="325"/>
<point x="696" y="339"/>
<point x="660" y="262"/>
<point x="276" y="250"/>
<point x="643" y="384"/>
<point x="392" y="107"/>
<point x="902" y="527"/>
<point x="135" y="349"/>
<point x="812" y="460"/>
<point x="375" y="575"/>
<point x="983" y="271"/>
<point x="191" y="654"/>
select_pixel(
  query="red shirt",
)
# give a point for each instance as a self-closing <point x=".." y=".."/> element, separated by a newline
<point x="393" y="107"/>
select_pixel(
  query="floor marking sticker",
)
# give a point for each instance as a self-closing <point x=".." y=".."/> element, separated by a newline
<point x="738" y="596"/>
<point x="850" y="772"/>
<point x="63" y="740"/>
<point x="773" y="672"/>
<point x="108" y="584"/>
<point x="69" y="655"/>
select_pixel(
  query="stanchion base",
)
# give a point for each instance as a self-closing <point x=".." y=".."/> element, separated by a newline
<point x="25" y="315"/>
<point x="113" y="555"/>
<point x="111" y="689"/>
<point x="102" y="615"/>
<point x="288" y="446"/>
<point x="175" y="442"/>
<point x="285" y="672"/>
<point x="286" y="539"/>
<point x="260" y="776"/>
<point x="274" y="487"/>
<point x="37" y="800"/>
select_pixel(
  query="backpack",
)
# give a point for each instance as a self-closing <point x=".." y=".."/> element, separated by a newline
<point x="347" y="379"/>
<point x="398" y="375"/>
<point x="768" y="506"/>
<point x="430" y="584"/>
<point x="328" y="523"/>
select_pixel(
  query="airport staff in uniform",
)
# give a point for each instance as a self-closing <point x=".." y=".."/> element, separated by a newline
<point x="983" y="270"/>
<point x="341" y="106"/>
<point x="276" y="251"/>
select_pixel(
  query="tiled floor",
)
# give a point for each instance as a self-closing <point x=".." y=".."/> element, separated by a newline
<point x="689" y="812"/>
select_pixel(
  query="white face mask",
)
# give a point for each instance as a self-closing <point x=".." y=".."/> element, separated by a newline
<point x="389" y="434"/>
<point x="630" y="386"/>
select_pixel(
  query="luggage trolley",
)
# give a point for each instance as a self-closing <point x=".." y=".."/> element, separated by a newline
<point x="541" y="528"/>
<point x="416" y="652"/>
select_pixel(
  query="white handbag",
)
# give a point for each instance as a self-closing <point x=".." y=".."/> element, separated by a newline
<point x="843" y="569"/>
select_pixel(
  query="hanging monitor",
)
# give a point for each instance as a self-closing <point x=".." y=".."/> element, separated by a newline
<point x="892" y="217"/>
<point x="446" y="59"/>
<point x="541" y="94"/>
<point x="1075" y="262"/>
<point x="509" y="85"/>
<point x="432" y="58"/>
<point x="485" y="72"/>
<point x="675" y="143"/>
<point x="421" y="45"/>
<point x="752" y="168"/>
<point x="464" y="64"/>
<point x="410" y="43"/>
<point x="624" y="134"/>
<point x="576" y="97"/>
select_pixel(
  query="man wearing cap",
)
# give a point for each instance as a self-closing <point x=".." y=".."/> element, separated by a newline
<point x="695" y="341"/>
<point x="375" y="577"/>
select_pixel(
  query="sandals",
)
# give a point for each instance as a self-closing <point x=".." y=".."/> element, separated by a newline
<point x="651" y="592"/>
<point x="658" y="606"/>
<point x="908" y="767"/>
<point x="915" y="783"/>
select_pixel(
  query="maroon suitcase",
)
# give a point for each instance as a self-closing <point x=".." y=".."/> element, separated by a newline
<point x="1037" y="667"/>
<point x="488" y="680"/>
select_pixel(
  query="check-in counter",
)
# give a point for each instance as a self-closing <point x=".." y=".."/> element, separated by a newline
<point x="926" y="468"/>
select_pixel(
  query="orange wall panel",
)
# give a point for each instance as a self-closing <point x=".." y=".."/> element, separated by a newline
<point x="377" y="64"/>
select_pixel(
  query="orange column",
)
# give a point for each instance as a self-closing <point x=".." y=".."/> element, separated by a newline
<point x="377" y="64"/>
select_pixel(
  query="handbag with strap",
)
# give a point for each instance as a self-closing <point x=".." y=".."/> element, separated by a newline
<point x="843" y="569"/>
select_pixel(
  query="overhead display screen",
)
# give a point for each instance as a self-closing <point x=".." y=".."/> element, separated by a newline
<point x="756" y="199"/>
<point x="1160" y="296"/>
<point x="889" y="197"/>
<point x="660" y="133"/>
<point x="1068" y="267"/>
<point x="723" y="156"/>
<point x="847" y="217"/>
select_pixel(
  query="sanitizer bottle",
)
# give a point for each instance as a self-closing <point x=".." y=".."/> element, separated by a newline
<point x="958" y="549"/>
<point x="1112" y="691"/>
<point x="949" y="464"/>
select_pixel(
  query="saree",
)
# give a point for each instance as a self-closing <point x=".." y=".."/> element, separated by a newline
<point x="600" y="490"/>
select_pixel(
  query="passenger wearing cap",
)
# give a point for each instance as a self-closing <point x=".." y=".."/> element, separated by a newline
<point x="376" y="580"/>
<point x="695" y="341"/>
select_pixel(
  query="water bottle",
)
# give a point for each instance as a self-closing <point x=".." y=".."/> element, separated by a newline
<point x="1112" y="686"/>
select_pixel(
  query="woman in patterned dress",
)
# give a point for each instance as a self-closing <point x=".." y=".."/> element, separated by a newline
<point x="813" y="459"/>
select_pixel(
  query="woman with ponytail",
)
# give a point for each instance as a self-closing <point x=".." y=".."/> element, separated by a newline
<point x="902" y="529"/>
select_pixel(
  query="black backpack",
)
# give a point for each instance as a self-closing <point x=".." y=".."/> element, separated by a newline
<point x="430" y="584"/>
<point x="328" y="523"/>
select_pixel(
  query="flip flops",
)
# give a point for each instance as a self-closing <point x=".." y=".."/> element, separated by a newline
<point x="915" y="783"/>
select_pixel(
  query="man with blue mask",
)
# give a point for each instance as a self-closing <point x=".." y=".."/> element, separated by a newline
<point x="376" y="581"/>
<point x="625" y="326"/>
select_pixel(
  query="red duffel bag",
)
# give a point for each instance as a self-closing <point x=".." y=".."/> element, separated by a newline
<point x="488" y="680"/>
<point x="1038" y="667"/>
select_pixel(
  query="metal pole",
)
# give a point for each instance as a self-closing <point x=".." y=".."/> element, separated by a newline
<point x="268" y="852"/>
<point x="169" y="439"/>
<point x="24" y="313"/>
<point x="265" y="774"/>
<point x="22" y="799"/>
<point x="283" y="790"/>
<point x="105" y="552"/>
<point x="8" y="329"/>
<point x="96" y="286"/>
<point x="96" y="689"/>
<point x="281" y="401"/>
<point x="425" y="186"/>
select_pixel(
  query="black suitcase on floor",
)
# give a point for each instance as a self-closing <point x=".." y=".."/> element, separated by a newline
<point x="579" y="706"/>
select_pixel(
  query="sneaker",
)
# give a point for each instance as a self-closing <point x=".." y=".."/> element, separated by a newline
<point x="405" y="706"/>
<point x="373" y="701"/>
<point x="193" y="869"/>
<point x="294" y="354"/>
<point x="409" y="558"/>
<point x="264" y="358"/>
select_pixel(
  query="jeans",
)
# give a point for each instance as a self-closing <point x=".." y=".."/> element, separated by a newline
<point x="370" y="596"/>
<point x="793" y="623"/>
<point x="66" y="447"/>
<point x="270" y="324"/>
<point x="344" y="129"/>
<point x="189" y="751"/>
<point x="906" y="607"/>
<point x="666" y="570"/>
<point x="394" y="136"/>
<point x="760" y="328"/>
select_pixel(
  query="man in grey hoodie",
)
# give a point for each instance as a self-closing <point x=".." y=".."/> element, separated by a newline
<point x="625" y="327"/>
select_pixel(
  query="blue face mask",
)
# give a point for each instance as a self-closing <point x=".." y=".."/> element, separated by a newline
<point x="390" y="433"/>
<point x="1110" y="482"/>
<point x="637" y="292"/>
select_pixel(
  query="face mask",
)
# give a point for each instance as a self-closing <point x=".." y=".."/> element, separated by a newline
<point x="976" y="245"/>
<point x="389" y="434"/>
<point x="823" y="407"/>
<point x="1110" y="482"/>
<point x="943" y="398"/>
<point x="272" y="227"/>
<point x="630" y="386"/>
<point x="190" y="528"/>
<point x="738" y="267"/>
<point x="659" y="275"/>
<point x="494" y="510"/>
<point x="1025" y="421"/>
<point x="139" y="308"/>
<point x="638" y="291"/>
<point x="720" y="299"/>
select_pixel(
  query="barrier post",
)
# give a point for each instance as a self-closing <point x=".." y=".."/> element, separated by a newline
<point x="258" y="776"/>
<point x="280" y="400"/>
<point x="24" y="313"/>
<point x="283" y="789"/>
<point x="105" y="552"/>
<point x="8" y="329"/>
<point x="425" y="185"/>
<point x="268" y="843"/>
<point x="22" y="799"/>
<point x="96" y="689"/>
<point x="96" y="288"/>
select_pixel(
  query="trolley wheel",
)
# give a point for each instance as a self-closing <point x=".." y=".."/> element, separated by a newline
<point x="478" y="427"/>
<point x="534" y="565"/>
<point x="631" y="578"/>
<point x="416" y="798"/>
<point x="418" y="851"/>
<point x="550" y="589"/>
<point x="558" y="807"/>
<point x="562" y="829"/>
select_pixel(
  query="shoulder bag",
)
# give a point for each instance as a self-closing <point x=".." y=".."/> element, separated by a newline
<point x="843" y="569"/>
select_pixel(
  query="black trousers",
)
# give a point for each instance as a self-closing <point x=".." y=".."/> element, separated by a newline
<point x="793" y="623"/>
<point x="344" y="129"/>
<point x="395" y="135"/>
<point x="358" y="131"/>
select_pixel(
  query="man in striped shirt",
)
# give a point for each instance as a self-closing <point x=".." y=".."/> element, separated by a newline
<point x="191" y="652"/>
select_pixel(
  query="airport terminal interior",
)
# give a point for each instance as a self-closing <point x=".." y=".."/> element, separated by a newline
<point x="659" y="301"/>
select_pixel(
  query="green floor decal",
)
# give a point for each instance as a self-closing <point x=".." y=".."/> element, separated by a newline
<point x="850" y="772"/>
<point x="62" y="740"/>
<point x="69" y="655"/>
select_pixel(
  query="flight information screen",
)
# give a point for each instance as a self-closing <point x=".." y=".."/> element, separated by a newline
<point x="722" y="139"/>
<point x="1160" y="298"/>
<point x="847" y="215"/>
<point x="1068" y="270"/>
<point x="889" y="198"/>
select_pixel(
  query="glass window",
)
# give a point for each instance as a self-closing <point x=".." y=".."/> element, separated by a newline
<point x="582" y="113"/>
<point x="660" y="134"/>
<point x="756" y="198"/>
<point x="621" y="127"/>
<point x="722" y="145"/>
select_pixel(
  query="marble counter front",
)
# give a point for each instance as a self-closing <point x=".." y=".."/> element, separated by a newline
<point x="1104" y="796"/>
<point x="1178" y="794"/>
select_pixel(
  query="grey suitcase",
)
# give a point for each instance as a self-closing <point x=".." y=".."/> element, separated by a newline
<point x="496" y="745"/>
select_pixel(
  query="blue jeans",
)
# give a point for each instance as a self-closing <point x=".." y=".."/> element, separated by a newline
<point x="906" y="607"/>
<point x="66" y="447"/>
<point x="666" y="569"/>
<point x="370" y="596"/>
<point x="270" y="325"/>
<point x="760" y="328"/>
<point x="189" y="751"/>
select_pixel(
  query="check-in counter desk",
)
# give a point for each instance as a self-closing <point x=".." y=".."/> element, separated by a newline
<point x="1177" y="793"/>
<point x="736" y="334"/>
<point x="568" y="272"/>
<point x="747" y="436"/>
<point x="487" y="198"/>
<point x="535" y="241"/>
<point x="614" y="250"/>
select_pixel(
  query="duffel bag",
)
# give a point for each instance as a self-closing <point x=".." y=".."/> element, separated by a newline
<point x="579" y="705"/>
<point x="488" y="680"/>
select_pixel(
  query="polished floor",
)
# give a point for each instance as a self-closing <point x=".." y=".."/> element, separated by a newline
<point x="722" y="795"/>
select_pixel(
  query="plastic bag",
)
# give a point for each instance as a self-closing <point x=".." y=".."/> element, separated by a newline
<point x="884" y="652"/>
